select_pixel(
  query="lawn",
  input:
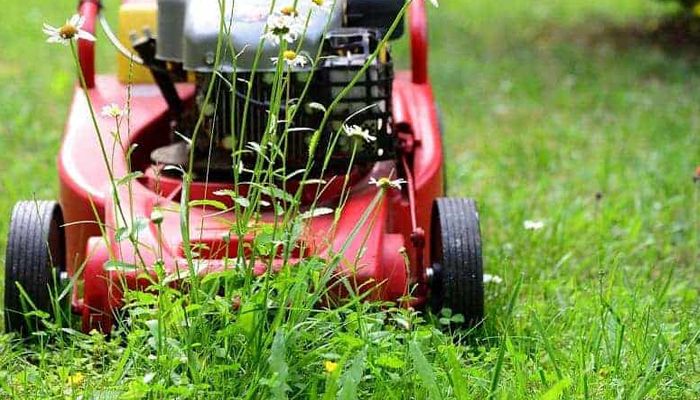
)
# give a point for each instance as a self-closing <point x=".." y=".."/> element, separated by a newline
<point x="557" y="111"/>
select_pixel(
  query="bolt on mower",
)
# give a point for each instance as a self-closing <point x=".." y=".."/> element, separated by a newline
<point x="196" y="134"/>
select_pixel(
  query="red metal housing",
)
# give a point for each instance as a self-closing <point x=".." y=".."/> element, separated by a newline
<point x="403" y="217"/>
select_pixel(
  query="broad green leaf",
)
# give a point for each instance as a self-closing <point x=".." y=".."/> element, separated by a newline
<point x="278" y="366"/>
<point x="209" y="203"/>
<point x="457" y="319"/>
<point x="241" y="201"/>
<point x="352" y="377"/>
<point x="116" y="265"/>
<point x="129" y="177"/>
<point x="121" y="234"/>
<point x="390" y="361"/>
<point x="275" y="192"/>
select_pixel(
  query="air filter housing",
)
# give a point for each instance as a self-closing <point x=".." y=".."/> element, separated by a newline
<point x="171" y="22"/>
<point x="189" y="32"/>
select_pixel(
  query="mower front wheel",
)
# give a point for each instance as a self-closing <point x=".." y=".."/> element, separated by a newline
<point x="34" y="259"/>
<point x="457" y="278"/>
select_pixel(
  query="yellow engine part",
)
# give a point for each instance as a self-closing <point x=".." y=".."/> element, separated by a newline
<point x="135" y="16"/>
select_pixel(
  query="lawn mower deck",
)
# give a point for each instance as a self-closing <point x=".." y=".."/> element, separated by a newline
<point x="439" y="236"/>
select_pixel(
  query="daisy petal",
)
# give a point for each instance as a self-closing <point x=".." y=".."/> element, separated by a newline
<point x="74" y="20"/>
<point x="85" y="35"/>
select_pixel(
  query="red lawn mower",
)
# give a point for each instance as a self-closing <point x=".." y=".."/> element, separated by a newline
<point x="420" y="241"/>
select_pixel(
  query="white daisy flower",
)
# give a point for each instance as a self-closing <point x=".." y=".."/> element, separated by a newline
<point x="488" y="278"/>
<point x="387" y="183"/>
<point x="357" y="132"/>
<point x="533" y="225"/>
<point x="71" y="30"/>
<point x="283" y="27"/>
<point x="112" y="111"/>
<point x="325" y="6"/>
<point x="434" y="3"/>
<point x="292" y="59"/>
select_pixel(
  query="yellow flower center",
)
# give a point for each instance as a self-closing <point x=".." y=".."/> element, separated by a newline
<point x="68" y="31"/>
<point x="384" y="183"/>
<point x="76" y="379"/>
<point x="290" y="55"/>
<point x="330" y="366"/>
<point x="289" y="11"/>
<point x="318" y="2"/>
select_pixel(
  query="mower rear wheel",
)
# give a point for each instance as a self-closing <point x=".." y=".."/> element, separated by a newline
<point x="457" y="280"/>
<point x="34" y="258"/>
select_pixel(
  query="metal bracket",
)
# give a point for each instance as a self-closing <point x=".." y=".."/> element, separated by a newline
<point x="145" y="46"/>
<point x="407" y="145"/>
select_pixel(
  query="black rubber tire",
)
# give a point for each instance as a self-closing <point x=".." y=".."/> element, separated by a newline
<point x="35" y="249"/>
<point x="457" y="282"/>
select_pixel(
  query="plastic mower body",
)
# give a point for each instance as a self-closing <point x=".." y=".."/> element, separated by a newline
<point x="416" y="243"/>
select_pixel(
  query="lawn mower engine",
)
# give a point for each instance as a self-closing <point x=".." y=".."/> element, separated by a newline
<point x="343" y="39"/>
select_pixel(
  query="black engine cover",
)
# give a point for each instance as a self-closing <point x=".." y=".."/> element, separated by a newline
<point x="377" y="14"/>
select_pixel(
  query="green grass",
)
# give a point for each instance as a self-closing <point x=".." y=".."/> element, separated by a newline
<point x="544" y="110"/>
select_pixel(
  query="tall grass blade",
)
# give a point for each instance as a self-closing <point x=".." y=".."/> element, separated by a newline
<point x="557" y="391"/>
<point x="547" y="346"/>
<point x="425" y="371"/>
<point x="502" y="351"/>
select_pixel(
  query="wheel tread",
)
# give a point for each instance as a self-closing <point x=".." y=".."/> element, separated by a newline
<point x="35" y="242"/>
<point x="461" y="281"/>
